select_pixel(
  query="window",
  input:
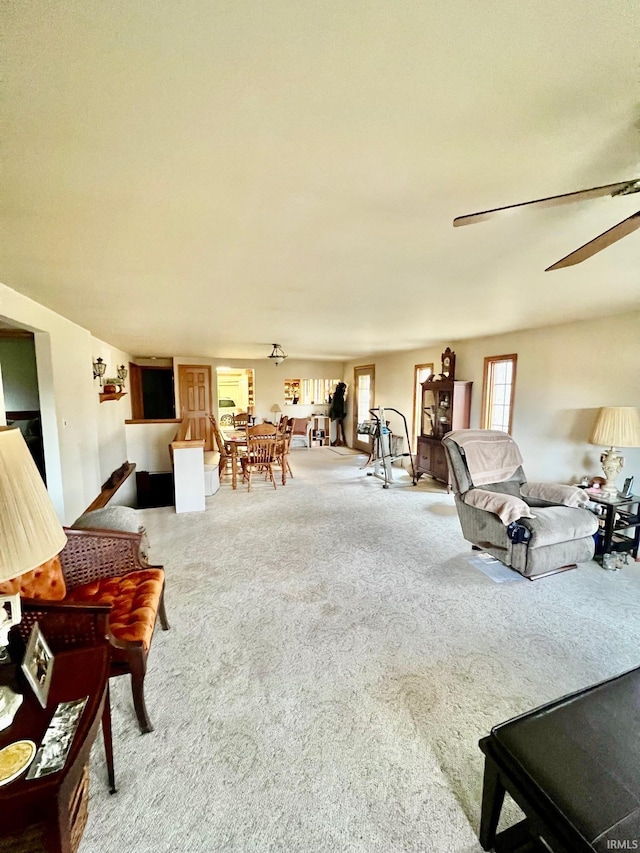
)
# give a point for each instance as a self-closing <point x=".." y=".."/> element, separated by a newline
<point x="498" y="391"/>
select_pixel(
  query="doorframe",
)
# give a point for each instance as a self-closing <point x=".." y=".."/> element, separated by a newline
<point x="417" y="400"/>
<point x="362" y="369"/>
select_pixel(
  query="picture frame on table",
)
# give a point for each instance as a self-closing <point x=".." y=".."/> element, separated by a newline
<point x="37" y="665"/>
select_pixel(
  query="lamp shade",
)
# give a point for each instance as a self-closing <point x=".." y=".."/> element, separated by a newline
<point x="617" y="426"/>
<point x="30" y="533"/>
<point x="276" y="408"/>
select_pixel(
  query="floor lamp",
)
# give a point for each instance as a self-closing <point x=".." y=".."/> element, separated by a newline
<point x="30" y="534"/>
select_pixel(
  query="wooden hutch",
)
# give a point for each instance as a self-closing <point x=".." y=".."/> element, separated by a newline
<point x="445" y="406"/>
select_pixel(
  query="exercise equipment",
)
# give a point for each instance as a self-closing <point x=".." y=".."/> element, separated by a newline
<point x="384" y="449"/>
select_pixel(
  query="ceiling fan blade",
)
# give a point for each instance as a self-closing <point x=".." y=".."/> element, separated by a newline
<point x="599" y="243"/>
<point x="621" y="188"/>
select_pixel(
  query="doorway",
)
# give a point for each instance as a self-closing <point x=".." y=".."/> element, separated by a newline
<point x="421" y="372"/>
<point x="20" y="390"/>
<point x="235" y="393"/>
<point x="364" y="399"/>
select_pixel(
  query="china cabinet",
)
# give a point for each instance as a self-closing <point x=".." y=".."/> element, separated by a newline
<point x="445" y="406"/>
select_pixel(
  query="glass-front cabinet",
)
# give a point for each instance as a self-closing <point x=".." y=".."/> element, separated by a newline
<point x="437" y="406"/>
<point x="446" y="405"/>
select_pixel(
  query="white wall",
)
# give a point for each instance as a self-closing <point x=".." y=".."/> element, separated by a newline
<point x="565" y="373"/>
<point x="393" y="384"/>
<point x="110" y="418"/>
<point x="68" y="400"/>
<point x="148" y="446"/>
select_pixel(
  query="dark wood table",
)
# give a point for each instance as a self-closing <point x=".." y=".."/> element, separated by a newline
<point x="55" y="806"/>
<point x="621" y="530"/>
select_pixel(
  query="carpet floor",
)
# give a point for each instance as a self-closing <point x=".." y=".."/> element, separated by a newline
<point x="332" y="662"/>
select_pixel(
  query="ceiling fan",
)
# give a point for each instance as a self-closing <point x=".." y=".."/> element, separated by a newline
<point x="593" y="246"/>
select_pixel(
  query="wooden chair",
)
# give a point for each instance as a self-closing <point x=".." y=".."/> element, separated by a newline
<point x="106" y="568"/>
<point x="223" y="449"/>
<point x="241" y="420"/>
<point x="283" y="441"/>
<point x="260" y="457"/>
<point x="261" y="430"/>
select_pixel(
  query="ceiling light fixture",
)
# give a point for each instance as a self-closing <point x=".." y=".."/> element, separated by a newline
<point x="277" y="354"/>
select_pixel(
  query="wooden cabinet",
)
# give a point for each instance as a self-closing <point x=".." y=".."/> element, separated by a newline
<point x="446" y="405"/>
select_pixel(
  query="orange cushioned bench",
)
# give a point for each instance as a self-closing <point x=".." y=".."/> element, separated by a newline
<point x="105" y="567"/>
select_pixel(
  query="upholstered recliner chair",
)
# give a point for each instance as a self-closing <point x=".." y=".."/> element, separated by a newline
<point x="534" y="528"/>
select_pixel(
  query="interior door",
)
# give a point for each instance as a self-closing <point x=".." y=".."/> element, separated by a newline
<point x="195" y="400"/>
<point x="364" y="399"/>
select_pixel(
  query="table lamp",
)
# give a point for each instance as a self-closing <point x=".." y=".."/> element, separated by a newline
<point x="615" y="426"/>
<point x="276" y="410"/>
<point x="30" y="533"/>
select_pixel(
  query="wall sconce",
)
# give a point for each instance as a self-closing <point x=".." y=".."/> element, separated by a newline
<point x="277" y="354"/>
<point x="122" y="374"/>
<point x="99" y="368"/>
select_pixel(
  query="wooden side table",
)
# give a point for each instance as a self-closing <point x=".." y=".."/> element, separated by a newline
<point x="52" y="811"/>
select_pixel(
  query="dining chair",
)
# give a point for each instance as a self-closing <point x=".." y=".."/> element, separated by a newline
<point x="264" y="429"/>
<point x="241" y="420"/>
<point x="283" y="442"/>
<point x="223" y="448"/>
<point x="260" y="457"/>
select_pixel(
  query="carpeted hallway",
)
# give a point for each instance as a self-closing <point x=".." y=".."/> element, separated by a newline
<point x="333" y="660"/>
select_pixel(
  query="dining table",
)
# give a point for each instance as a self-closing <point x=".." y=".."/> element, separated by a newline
<point x="235" y="442"/>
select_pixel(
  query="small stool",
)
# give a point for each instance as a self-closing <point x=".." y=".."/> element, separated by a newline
<point x="573" y="767"/>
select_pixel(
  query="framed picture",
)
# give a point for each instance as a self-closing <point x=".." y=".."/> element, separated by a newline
<point x="10" y="615"/>
<point x="628" y="488"/>
<point x="38" y="665"/>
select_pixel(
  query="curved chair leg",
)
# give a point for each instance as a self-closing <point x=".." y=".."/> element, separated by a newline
<point x="162" y="613"/>
<point x="108" y="741"/>
<point x="138" y="665"/>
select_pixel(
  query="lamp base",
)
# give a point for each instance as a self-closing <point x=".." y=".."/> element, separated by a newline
<point x="612" y="463"/>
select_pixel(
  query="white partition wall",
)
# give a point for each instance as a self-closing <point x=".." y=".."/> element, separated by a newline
<point x="188" y="474"/>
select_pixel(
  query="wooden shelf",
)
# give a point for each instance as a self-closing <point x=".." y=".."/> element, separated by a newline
<point x="115" y="396"/>
<point x="112" y="485"/>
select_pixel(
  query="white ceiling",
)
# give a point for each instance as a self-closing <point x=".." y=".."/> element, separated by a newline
<point x="206" y="177"/>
